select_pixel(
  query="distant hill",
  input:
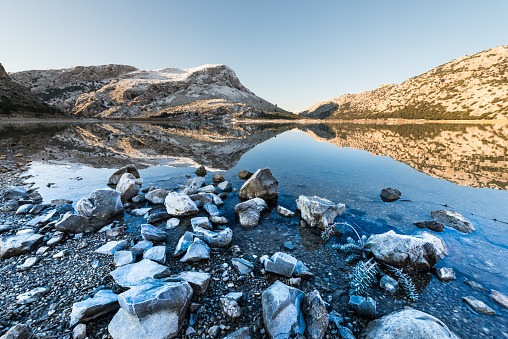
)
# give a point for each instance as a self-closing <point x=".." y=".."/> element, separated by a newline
<point x="470" y="87"/>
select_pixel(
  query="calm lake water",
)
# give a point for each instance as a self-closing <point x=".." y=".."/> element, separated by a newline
<point x="463" y="166"/>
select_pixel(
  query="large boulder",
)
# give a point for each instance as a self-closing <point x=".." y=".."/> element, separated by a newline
<point x="407" y="324"/>
<point x="15" y="245"/>
<point x="129" y="186"/>
<point x="138" y="273"/>
<point x="180" y="204"/>
<point x="281" y="311"/>
<point x="215" y="239"/>
<point x="261" y="184"/>
<point x="411" y="253"/>
<point x="453" y="219"/>
<point x="316" y="315"/>
<point x="115" y="178"/>
<point x="73" y="223"/>
<point x="103" y="203"/>
<point x="103" y="302"/>
<point x="318" y="212"/>
<point x="250" y="211"/>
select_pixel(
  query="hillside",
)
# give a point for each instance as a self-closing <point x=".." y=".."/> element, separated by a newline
<point x="470" y="87"/>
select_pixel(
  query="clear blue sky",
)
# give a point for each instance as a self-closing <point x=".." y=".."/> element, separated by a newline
<point x="292" y="53"/>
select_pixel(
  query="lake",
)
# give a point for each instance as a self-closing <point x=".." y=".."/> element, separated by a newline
<point x="461" y="166"/>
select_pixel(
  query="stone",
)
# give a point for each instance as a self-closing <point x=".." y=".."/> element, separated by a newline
<point x="215" y="239"/>
<point x="103" y="302"/>
<point x="157" y="196"/>
<point x="10" y="205"/>
<point x="200" y="171"/>
<point x="207" y="189"/>
<point x="24" y="209"/>
<point x="111" y="247"/>
<point x="389" y="284"/>
<point x="138" y="273"/>
<point x="151" y="233"/>
<point x="363" y="306"/>
<point x="181" y="205"/>
<point x="73" y="223"/>
<point x="42" y="219"/>
<point x="243" y="266"/>
<point x="128" y="186"/>
<point x="390" y="194"/>
<point x="244" y="175"/>
<point x="41" y="250"/>
<point x="35" y="196"/>
<point x="411" y="253"/>
<point x="242" y="333"/>
<point x="56" y="239"/>
<point x="172" y="223"/>
<point x="123" y="258"/>
<point x="285" y="212"/>
<point x="301" y="270"/>
<point x="191" y="185"/>
<point x="478" y="305"/>
<point x="499" y="297"/>
<point x="408" y="324"/>
<point x="346" y="332"/>
<point x="217" y="220"/>
<point x="250" y="211"/>
<point x="316" y="316"/>
<point x="138" y="199"/>
<point x="433" y="225"/>
<point x="190" y="331"/>
<point x="197" y="251"/>
<point x="199" y="281"/>
<point x="183" y="244"/>
<point x="200" y="222"/>
<point x="225" y="186"/>
<point x="453" y="219"/>
<point x="15" y="193"/>
<point x="261" y="184"/>
<point x="38" y="208"/>
<point x="214" y="198"/>
<point x="56" y="202"/>
<point x="281" y="311"/>
<point x="281" y="263"/>
<point x="19" y="331"/>
<point x="445" y="273"/>
<point x="141" y="247"/>
<point x="318" y="212"/>
<point x="32" y="295"/>
<point x="140" y="211"/>
<point x="115" y="232"/>
<point x="28" y="264"/>
<point x="211" y="209"/>
<point x="156" y="217"/>
<point x="79" y="332"/>
<point x="102" y="203"/>
<point x="60" y="254"/>
<point x="218" y="178"/>
<point x="223" y="195"/>
<point x="289" y="245"/>
<point x="115" y="177"/>
<point x="156" y="253"/>
<point x="229" y="306"/>
<point x="475" y="285"/>
<point x="15" y="245"/>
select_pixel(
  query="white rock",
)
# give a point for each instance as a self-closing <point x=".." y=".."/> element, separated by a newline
<point x="180" y="205"/>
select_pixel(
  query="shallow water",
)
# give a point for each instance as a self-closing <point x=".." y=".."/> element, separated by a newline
<point x="347" y="163"/>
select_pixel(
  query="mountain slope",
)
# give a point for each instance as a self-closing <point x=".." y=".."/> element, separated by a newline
<point x="470" y="87"/>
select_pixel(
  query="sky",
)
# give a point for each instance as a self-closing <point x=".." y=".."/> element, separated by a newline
<point x="291" y="53"/>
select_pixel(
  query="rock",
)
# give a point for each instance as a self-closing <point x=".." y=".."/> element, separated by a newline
<point x="435" y="226"/>
<point x="32" y="295"/>
<point x="225" y="186"/>
<point x="363" y="306"/>
<point x="10" y="205"/>
<point x="335" y="318"/>
<point x="15" y="245"/>
<point x="215" y="239"/>
<point x="244" y="175"/>
<point x="35" y="196"/>
<point x="102" y="203"/>
<point x="316" y="316"/>
<point x="243" y="266"/>
<point x="156" y="253"/>
<point x="285" y="212"/>
<point x="281" y="263"/>
<point x="5" y="228"/>
<point x="141" y="247"/>
<point x="42" y="219"/>
<point x="200" y="222"/>
<point x="79" y="332"/>
<point x="153" y="310"/>
<point x="56" y="202"/>
<point x="301" y="270"/>
<point x="157" y="196"/>
<point x="38" y="208"/>
<point x="60" y="254"/>
<point x="103" y="302"/>
<point x="318" y="212"/>
<point x="111" y="247"/>
<point x="19" y="331"/>
<point x="250" y="211"/>
<point x="191" y="185"/>
<point x="211" y="209"/>
<point x="183" y="244"/>
<point x="15" y="193"/>
<point x="138" y="199"/>
<point x="73" y="223"/>
<point x="281" y="311"/>
<point x="229" y="305"/>
<point x="216" y="220"/>
<point x="179" y="204"/>
<point x="200" y="171"/>
<point x="389" y="284"/>
<point x="478" y="305"/>
<point x="56" y="239"/>
<point x="499" y="297"/>
<point x="242" y="333"/>
<point x="408" y="324"/>
<point x="115" y="178"/>
<point x="453" y="219"/>
<point x="411" y="253"/>
<point x="213" y="198"/>
<point x="218" y="178"/>
<point x="207" y="189"/>
<point x="140" y="211"/>
<point x="28" y="264"/>
<point x="289" y="245"/>
<point x="156" y="217"/>
<point x="115" y="232"/>
<point x="223" y="195"/>
<point x="445" y="273"/>
<point x="261" y="184"/>
<point x="197" y="251"/>
<point x="151" y="233"/>
<point x="475" y="285"/>
<point x="138" y="273"/>
<point x="346" y="332"/>
<point x="123" y="258"/>
<point x="24" y="209"/>
<point x="41" y="250"/>
<point x="128" y="186"/>
<point x="172" y="223"/>
<point x="390" y="194"/>
<point x="199" y="281"/>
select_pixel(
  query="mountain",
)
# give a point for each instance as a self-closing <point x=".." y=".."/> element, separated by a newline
<point x="119" y="91"/>
<point x="470" y="87"/>
<point x="16" y="98"/>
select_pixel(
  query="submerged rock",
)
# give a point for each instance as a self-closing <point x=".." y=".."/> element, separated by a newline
<point x="453" y="219"/>
<point x="250" y="211"/>
<point x="261" y="184"/>
<point x="318" y="212"/>
<point x="499" y="297"/>
<point x="478" y="305"/>
<point x="390" y="194"/>
<point x="433" y="225"/>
